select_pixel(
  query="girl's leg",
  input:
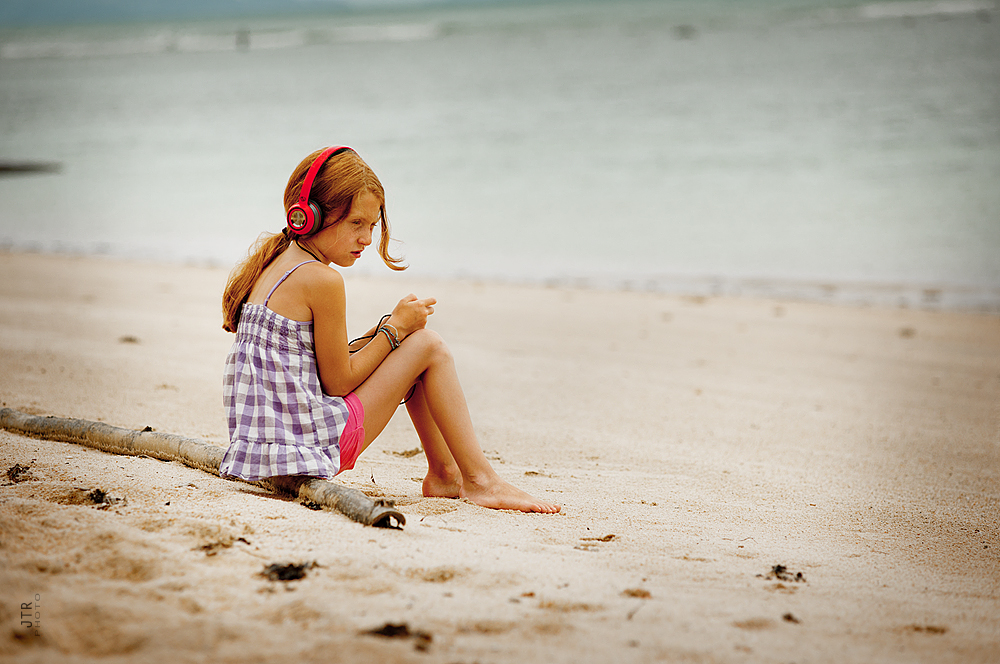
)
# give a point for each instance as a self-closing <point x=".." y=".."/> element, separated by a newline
<point x="444" y="477"/>
<point x="424" y="355"/>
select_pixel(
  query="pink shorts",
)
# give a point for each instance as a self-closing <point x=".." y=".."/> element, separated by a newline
<point x="353" y="439"/>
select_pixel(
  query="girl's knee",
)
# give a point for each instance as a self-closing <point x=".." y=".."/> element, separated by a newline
<point x="429" y="342"/>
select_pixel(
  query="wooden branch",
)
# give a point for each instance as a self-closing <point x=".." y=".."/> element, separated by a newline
<point x="198" y="454"/>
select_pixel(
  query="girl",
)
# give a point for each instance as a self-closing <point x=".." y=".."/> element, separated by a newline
<point x="304" y="401"/>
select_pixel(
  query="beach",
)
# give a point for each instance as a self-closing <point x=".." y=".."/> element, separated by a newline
<point x="740" y="480"/>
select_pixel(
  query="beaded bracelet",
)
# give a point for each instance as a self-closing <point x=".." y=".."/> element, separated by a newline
<point x="392" y="328"/>
<point x="393" y="342"/>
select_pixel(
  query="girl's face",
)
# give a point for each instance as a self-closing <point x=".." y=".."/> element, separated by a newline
<point x="343" y="242"/>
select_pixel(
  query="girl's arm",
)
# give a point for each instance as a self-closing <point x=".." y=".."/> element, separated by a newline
<point x="340" y="372"/>
<point x="362" y="341"/>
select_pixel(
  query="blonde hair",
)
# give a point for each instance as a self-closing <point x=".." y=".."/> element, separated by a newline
<point x="338" y="183"/>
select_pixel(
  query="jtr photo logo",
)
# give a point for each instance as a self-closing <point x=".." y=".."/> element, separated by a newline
<point x="31" y="615"/>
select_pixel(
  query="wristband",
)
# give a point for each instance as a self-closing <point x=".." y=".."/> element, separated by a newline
<point x="393" y="342"/>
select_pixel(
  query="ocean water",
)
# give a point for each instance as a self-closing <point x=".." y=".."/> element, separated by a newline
<point x="837" y="151"/>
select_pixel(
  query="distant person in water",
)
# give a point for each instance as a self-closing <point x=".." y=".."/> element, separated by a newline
<point x="302" y="400"/>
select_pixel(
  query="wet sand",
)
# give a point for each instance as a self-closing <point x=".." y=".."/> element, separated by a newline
<point x="694" y="444"/>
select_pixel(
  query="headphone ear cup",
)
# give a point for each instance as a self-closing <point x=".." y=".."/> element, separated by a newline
<point x="317" y="218"/>
<point x="304" y="221"/>
<point x="299" y="220"/>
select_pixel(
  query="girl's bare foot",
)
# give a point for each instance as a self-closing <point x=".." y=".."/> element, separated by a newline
<point x="443" y="484"/>
<point x="500" y="495"/>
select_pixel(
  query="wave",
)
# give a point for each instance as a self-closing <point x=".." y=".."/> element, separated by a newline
<point x="165" y="41"/>
<point x="919" y="8"/>
<point x="206" y="38"/>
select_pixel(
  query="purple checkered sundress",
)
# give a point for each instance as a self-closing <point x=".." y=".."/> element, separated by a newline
<point x="280" y="421"/>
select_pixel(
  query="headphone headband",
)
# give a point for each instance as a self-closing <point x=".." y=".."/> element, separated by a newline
<point x="306" y="216"/>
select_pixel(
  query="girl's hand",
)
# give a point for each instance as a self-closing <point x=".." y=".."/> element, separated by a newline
<point x="411" y="314"/>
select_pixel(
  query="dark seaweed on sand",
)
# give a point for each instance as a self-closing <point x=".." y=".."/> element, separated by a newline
<point x="18" y="473"/>
<point x="402" y="631"/>
<point x="101" y="498"/>
<point x="782" y="573"/>
<point x="289" y="572"/>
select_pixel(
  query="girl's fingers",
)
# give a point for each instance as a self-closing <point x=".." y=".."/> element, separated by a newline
<point x="412" y="313"/>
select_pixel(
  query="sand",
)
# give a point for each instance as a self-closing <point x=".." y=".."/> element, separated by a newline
<point x="694" y="444"/>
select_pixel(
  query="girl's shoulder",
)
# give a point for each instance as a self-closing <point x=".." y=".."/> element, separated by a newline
<point x="303" y="271"/>
<point x="316" y="281"/>
<point x="290" y="285"/>
<point x="318" y="272"/>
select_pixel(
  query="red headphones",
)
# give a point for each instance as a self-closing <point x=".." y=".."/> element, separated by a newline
<point x="306" y="216"/>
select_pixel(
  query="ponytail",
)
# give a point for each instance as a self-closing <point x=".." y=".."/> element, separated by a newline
<point x="246" y="273"/>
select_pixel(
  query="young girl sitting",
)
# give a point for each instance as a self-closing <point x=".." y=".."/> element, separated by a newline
<point x="304" y="401"/>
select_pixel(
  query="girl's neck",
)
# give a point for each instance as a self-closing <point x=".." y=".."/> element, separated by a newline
<point x="308" y="251"/>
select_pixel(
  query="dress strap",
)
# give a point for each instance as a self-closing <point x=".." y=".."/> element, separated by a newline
<point x="283" y="277"/>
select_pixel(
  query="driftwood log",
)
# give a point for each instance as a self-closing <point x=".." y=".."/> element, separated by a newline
<point x="200" y="455"/>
